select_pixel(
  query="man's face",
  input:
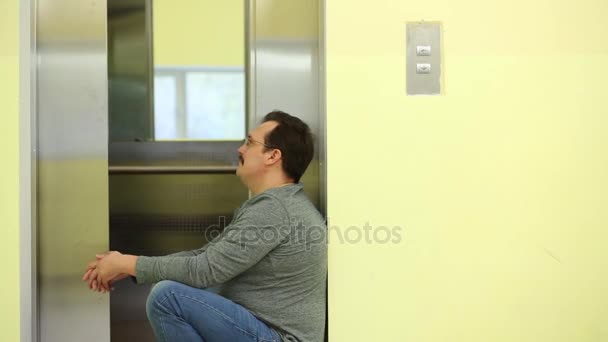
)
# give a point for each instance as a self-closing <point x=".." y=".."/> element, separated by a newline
<point x="253" y="159"/>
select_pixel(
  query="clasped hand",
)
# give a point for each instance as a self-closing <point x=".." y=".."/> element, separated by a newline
<point x="104" y="271"/>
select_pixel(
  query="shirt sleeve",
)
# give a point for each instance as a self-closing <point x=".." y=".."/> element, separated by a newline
<point x="193" y="252"/>
<point x="263" y="225"/>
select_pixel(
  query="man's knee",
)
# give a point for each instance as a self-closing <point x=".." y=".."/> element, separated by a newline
<point x="159" y="294"/>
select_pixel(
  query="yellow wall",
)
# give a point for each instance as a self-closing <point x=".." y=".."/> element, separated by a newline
<point x="500" y="185"/>
<point x="9" y="170"/>
<point x="199" y="32"/>
<point x="286" y="19"/>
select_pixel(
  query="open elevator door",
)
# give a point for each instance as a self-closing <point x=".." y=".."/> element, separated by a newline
<point x="100" y="152"/>
<point x="172" y="184"/>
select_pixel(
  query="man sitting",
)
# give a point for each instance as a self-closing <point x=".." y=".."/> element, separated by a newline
<point x="269" y="264"/>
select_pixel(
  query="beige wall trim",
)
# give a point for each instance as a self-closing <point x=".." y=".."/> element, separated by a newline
<point x="27" y="170"/>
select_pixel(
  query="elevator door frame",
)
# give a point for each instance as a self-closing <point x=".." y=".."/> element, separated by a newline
<point x="30" y="64"/>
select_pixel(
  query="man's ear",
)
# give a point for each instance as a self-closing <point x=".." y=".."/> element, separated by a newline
<point x="275" y="156"/>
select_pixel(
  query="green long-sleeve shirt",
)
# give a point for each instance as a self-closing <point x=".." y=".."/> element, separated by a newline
<point x="271" y="259"/>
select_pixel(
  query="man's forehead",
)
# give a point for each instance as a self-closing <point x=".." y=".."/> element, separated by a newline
<point x="263" y="129"/>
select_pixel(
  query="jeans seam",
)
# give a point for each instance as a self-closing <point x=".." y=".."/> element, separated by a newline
<point x="162" y="328"/>
<point x="226" y="317"/>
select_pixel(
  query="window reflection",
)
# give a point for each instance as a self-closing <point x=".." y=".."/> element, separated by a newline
<point x="165" y="105"/>
<point x="199" y="103"/>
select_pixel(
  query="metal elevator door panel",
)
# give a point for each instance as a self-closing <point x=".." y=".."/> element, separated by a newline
<point x="285" y="47"/>
<point x="72" y="207"/>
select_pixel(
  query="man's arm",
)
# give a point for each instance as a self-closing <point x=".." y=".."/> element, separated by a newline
<point x="191" y="253"/>
<point x="260" y="228"/>
<point x="126" y="265"/>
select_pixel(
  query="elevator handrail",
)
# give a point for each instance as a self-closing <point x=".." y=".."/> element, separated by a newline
<point x="171" y="169"/>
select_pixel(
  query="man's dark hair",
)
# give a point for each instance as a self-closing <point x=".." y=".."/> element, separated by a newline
<point x="293" y="137"/>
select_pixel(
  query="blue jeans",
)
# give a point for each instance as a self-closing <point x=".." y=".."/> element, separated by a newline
<point x="179" y="312"/>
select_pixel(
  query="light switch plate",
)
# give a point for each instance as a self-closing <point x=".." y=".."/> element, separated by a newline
<point x="423" y="58"/>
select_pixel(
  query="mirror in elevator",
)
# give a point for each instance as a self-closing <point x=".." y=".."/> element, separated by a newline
<point x="176" y="70"/>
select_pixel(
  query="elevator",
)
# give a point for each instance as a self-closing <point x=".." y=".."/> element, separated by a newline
<point x="139" y="112"/>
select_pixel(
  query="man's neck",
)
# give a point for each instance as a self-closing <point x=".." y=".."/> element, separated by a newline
<point x="263" y="186"/>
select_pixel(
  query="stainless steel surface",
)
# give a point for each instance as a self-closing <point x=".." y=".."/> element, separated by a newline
<point x="27" y="176"/>
<point x="285" y="68"/>
<point x="172" y="169"/>
<point x="322" y="134"/>
<point x="150" y="60"/>
<point x="189" y="153"/>
<point x="322" y="138"/>
<point x="72" y="166"/>
<point x="250" y="79"/>
<point x="423" y="58"/>
<point x="130" y="70"/>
